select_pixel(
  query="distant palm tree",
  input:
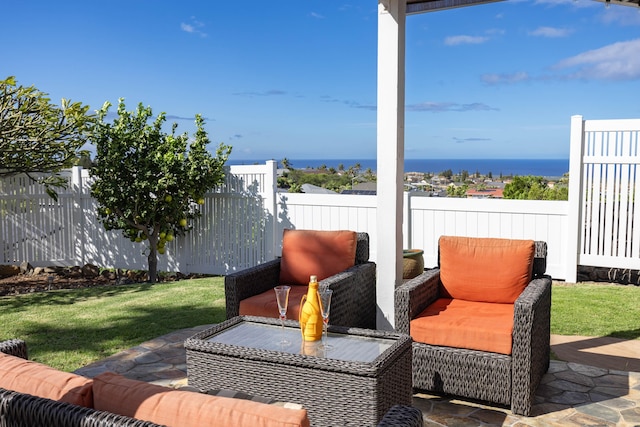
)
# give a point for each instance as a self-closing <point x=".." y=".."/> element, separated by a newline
<point x="286" y="164"/>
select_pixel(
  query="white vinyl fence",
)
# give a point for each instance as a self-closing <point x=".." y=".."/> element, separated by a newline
<point x="609" y="170"/>
<point x="242" y="221"/>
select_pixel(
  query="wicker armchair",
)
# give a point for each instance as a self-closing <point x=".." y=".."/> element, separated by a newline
<point x="507" y="379"/>
<point x="354" y="289"/>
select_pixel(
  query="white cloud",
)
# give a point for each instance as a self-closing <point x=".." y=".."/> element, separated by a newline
<point x="439" y="107"/>
<point x="572" y="3"/>
<point x="494" y="79"/>
<point x="550" y="32"/>
<point x="316" y="15"/>
<point x="457" y="40"/>
<point x="618" y="61"/>
<point x="620" y="15"/>
<point x="194" y="27"/>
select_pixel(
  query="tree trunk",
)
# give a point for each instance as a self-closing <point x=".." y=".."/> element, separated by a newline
<point x="153" y="264"/>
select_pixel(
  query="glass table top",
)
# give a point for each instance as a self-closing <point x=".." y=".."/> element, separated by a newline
<point x="354" y="348"/>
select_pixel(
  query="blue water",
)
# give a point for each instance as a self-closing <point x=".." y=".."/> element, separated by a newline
<point x="506" y="167"/>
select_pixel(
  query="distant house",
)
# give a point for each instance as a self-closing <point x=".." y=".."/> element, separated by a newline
<point x="487" y="193"/>
<point x="314" y="189"/>
<point x="363" y="188"/>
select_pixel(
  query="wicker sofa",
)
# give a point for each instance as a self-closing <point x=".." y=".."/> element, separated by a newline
<point x="508" y="378"/>
<point x="25" y="410"/>
<point x="354" y="290"/>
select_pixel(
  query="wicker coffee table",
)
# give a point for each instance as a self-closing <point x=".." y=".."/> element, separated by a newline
<point x="355" y="383"/>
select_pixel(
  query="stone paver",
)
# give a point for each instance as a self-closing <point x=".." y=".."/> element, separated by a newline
<point x="571" y="394"/>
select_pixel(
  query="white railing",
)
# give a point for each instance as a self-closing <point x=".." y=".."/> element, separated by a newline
<point x="610" y="159"/>
<point x="242" y="221"/>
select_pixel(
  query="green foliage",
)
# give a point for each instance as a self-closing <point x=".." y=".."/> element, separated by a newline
<point x="447" y="174"/>
<point x="37" y="136"/>
<point x="534" y="188"/>
<point x="329" y="178"/>
<point x="148" y="183"/>
<point x="460" y="191"/>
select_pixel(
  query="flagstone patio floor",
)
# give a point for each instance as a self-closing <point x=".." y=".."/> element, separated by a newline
<point x="571" y="393"/>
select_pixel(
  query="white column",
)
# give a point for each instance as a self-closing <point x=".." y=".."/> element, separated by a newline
<point x="390" y="154"/>
<point x="576" y="151"/>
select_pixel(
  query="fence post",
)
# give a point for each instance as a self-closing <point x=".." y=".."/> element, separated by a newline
<point x="80" y="231"/>
<point x="407" y="238"/>
<point x="270" y="192"/>
<point x="574" y="221"/>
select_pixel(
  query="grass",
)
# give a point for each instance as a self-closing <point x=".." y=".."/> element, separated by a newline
<point x="596" y="310"/>
<point x="72" y="328"/>
<point x="68" y="329"/>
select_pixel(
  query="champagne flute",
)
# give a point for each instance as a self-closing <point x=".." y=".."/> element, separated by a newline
<point x="325" y="306"/>
<point x="282" y="296"/>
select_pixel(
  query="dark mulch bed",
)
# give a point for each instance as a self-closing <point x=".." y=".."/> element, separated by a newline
<point x="53" y="278"/>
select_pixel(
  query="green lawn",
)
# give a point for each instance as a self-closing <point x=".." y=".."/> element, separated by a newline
<point x="70" y="329"/>
<point x="596" y="310"/>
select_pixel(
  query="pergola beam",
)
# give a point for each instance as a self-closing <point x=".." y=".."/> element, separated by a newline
<point x="421" y="6"/>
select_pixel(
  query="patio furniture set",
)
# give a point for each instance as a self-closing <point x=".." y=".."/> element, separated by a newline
<point x="478" y="327"/>
<point x="479" y="323"/>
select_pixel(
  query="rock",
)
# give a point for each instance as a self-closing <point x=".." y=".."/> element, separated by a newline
<point x="25" y="267"/>
<point x="75" y="271"/>
<point x="90" y="271"/>
<point x="9" y="270"/>
<point x="37" y="271"/>
<point x="109" y="275"/>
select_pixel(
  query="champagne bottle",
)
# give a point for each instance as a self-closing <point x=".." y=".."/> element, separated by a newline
<point x="310" y="315"/>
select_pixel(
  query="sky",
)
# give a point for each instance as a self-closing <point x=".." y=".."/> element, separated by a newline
<point x="298" y="78"/>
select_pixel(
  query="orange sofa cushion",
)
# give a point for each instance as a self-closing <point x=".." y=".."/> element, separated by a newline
<point x="485" y="269"/>
<point x="465" y="324"/>
<point x="314" y="252"/>
<point x="174" y="408"/>
<point x="36" y="379"/>
<point x="265" y="304"/>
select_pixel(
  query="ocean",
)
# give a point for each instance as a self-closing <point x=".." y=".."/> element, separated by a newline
<point x="521" y="167"/>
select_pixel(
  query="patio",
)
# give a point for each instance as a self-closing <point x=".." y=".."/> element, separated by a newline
<point x="571" y="393"/>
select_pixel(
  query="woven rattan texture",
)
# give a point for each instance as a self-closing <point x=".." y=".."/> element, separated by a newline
<point x="354" y="290"/>
<point x="508" y="380"/>
<point x="334" y="392"/>
<point x="402" y="416"/>
<point x="23" y="410"/>
<point x="14" y="347"/>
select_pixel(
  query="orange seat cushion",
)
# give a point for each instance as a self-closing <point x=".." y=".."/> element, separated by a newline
<point x="26" y="376"/>
<point x="485" y="269"/>
<point x="314" y="252"/>
<point x="174" y="408"/>
<point x="265" y="304"/>
<point x="465" y="324"/>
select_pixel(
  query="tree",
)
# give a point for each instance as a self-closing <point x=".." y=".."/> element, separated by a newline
<point x="37" y="136"/>
<point x="460" y="192"/>
<point x="150" y="184"/>
<point x="447" y="174"/>
<point x="286" y="164"/>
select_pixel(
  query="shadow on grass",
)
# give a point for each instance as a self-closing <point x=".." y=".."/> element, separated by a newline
<point x="70" y="296"/>
<point x="631" y="334"/>
<point x="86" y="344"/>
<point x="69" y="343"/>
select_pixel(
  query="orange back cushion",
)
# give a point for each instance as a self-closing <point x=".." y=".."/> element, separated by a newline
<point x="26" y="376"/>
<point x="485" y="269"/>
<point x="314" y="252"/>
<point x="174" y="408"/>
